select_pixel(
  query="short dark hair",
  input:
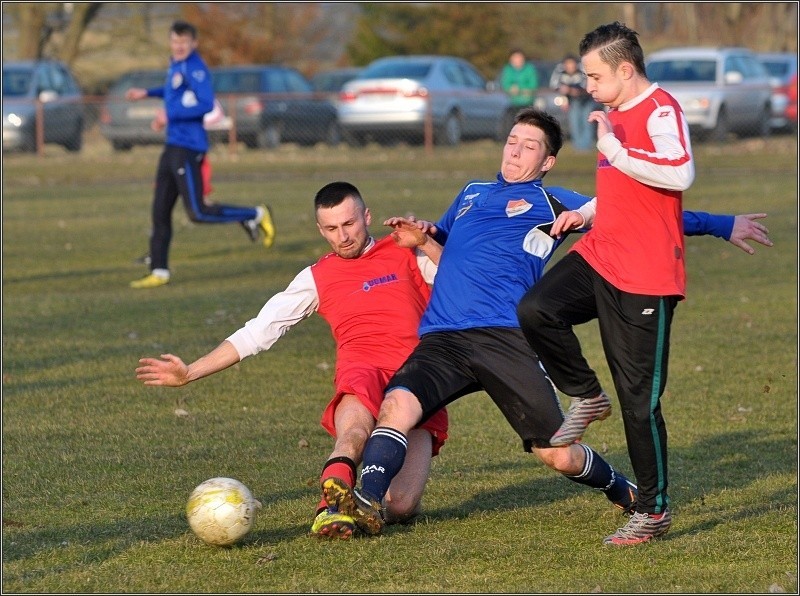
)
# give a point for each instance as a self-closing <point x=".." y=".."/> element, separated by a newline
<point x="553" y="135"/>
<point x="334" y="193"/>
<point x="616" y="44"/>
<point x="183" y="28"/>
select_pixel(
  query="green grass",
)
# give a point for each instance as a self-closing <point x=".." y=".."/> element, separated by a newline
<point x="97" y="468"/>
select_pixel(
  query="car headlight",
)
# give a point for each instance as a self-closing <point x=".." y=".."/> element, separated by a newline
<point x="14" y="120"/>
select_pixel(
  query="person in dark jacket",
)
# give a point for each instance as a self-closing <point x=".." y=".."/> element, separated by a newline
<point x="188" y="96"/>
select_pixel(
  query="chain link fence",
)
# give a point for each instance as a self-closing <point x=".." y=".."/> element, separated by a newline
<point x="261" y="122"/>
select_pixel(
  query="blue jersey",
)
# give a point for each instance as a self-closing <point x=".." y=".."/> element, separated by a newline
<point x="187" y="95"/>
<point x="496" y="238"/>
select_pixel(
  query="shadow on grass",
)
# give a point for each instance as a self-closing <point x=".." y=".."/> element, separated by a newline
<point x="720" y="462"/>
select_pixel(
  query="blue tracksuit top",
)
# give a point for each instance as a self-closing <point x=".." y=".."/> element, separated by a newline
<point x="496" y="238"/>
<point x="187" y="95"/>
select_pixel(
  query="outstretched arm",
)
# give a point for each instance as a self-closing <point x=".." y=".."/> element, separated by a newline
<point x="736" y="229"/>
<point x="171" y="371"/>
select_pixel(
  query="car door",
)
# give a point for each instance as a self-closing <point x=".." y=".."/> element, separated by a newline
<point x="742" y="111"/>
<point x="306" y="117"/>
<point x="488" y="106"/>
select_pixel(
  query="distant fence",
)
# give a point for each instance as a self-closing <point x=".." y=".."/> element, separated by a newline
<point x="264" y="121"/>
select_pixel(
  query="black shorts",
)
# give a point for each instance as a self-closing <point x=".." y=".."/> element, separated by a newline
<point x="448" y="364"/>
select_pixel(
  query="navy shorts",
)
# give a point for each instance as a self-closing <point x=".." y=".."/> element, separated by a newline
<point x="446" y="365"/>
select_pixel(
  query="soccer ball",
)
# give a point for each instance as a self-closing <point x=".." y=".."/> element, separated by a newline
<point x="221" y="511"/>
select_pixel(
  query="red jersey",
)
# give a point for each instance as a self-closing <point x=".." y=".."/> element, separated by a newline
<point x="636" y="241"/>
<point x="382" y="289"/>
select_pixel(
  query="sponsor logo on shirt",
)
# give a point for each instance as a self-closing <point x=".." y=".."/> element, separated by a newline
<point x="379" y="281"/>
<point x="467" y="202"/>
<point x="517" y="207"/>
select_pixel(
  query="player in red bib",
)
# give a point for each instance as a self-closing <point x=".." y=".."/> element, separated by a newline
<point x="372" y="294"/>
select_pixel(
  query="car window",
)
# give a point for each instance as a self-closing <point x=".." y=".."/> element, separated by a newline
<point x="472" y="78"/>
<point x="682" y="70"/>
<point x="16" y="83"/>
<point x="295" y="83"/>
<point x="235" y="82"/>
<point x="453" y="74"/>
<point x="397" y="70"/>
<point x="776" y="69"/>
<point x="42" y="80"/>
<point x="276" y="82"/>
<point x="58" y="79"/>
<point x="752" y="68"/>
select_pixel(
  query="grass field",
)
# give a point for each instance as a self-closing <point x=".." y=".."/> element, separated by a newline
<point x="97" y="468"/>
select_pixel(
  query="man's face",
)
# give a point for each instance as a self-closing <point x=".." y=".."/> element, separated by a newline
<point x="605" y="84"/>
<point x="344" y="226"/>
<point x="525" y="154"/>
<point x="180" y="46"/>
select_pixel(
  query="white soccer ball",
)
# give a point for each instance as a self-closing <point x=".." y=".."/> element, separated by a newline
<point x="221" y="511"/>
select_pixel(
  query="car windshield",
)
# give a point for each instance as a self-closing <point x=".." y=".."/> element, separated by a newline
<point x="236" y="82"/>
<point x="700" y="71"/>
<point x="397" y="70"/>
<point x="16" y="82"/>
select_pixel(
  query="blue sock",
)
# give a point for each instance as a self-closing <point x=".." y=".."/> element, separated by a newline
<point x="598" y="474"/>
<point x="384" y="455"/>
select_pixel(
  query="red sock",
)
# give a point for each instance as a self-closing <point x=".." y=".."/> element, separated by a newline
<point x="343" y="468"/>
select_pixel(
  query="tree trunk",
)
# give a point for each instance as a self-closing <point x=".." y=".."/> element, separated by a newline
<point x="82" y="15"/>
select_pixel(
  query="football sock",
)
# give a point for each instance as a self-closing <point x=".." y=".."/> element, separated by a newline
<point x="384" y="455"/>
<point x="598" y="474"/>
<point x="343" y="468"/>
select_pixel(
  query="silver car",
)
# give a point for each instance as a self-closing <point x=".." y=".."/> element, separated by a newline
<point x="399" y="97"/>
<point x="721" y="90"/>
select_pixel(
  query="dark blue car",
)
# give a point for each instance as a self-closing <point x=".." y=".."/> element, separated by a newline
<point x="270" y="104"/>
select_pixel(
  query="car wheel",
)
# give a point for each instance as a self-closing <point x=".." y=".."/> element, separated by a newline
<point x="353" y="139"/>
<point x="450" y="133"/>
<point x="121" y="145"/>
<point x="764" y="129"/>
<point x="722" y="129"/>
<point x="75" y="142"/>
<point x="269" y="137"/>
<point x="333" y="134"/>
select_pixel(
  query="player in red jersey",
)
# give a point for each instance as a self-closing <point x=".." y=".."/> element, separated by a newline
<point x="372" y="294"/>
<point x="627" y="272"/>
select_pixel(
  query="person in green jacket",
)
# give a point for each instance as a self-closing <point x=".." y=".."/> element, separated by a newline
<point x="519" y="79"/>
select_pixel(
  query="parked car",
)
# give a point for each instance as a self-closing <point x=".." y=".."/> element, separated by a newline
<point x="271" y="104"/>
<point x="391" y="97"/>
<point x="549" y="99"/>
<point x="781" y="67"/>
<point x="127" y="123"/>
<point x="721" y="90"/>
<point x="331" y="82"/>
<point x="51" y="83"/>
<point x="791" y="108"/>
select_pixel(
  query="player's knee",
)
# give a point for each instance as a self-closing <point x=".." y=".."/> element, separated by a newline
<point x="529" y="310"/>
<point x="401" y="507"/>
<point x="560" y="459"/>
<point x="400" y="410"/>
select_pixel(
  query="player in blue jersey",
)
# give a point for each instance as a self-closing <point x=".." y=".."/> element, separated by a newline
<point x="497" y="241"/>
<point x="188" y="96"/>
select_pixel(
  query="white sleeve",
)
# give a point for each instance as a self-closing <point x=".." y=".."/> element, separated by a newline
<point x="670" y="166"/>
<point x="285" y="309"/>
<point x="588" y="211"/>
<point x="426" y="267"/>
